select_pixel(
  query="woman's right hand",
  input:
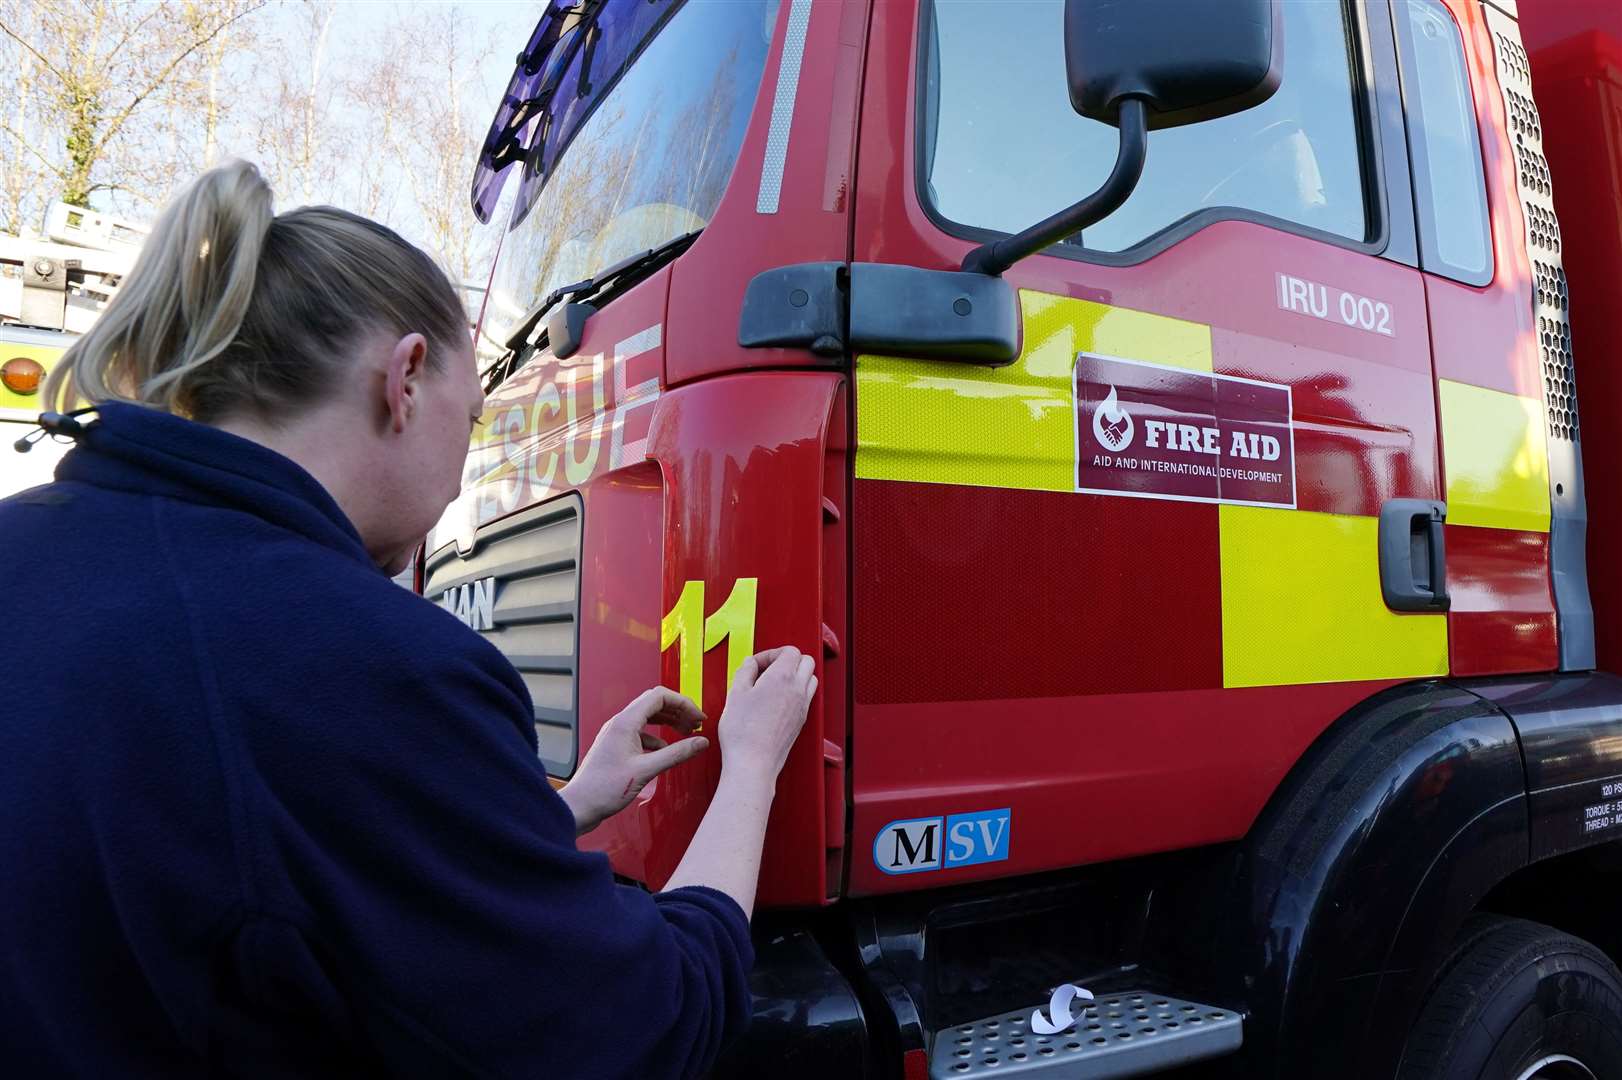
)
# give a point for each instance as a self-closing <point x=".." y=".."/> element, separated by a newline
<point x="765" y="710"/>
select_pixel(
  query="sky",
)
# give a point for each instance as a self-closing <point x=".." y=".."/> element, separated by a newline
<point x="361" y="21"/>
<point x="357" y="26"/>
<point x="510" y="20"/>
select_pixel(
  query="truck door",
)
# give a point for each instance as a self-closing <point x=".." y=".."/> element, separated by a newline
<point x="1501" y="341"/>
<point x="1104" y="596"/>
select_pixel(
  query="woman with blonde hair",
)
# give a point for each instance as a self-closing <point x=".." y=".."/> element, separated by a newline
<point x="261" y="810"/>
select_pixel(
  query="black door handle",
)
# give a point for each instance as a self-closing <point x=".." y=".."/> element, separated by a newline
<point x="1413" y="560"/>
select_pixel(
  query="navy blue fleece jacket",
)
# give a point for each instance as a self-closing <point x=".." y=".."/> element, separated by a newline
<point x="264" y="812"/>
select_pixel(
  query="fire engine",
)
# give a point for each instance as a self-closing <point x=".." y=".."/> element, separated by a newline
<point x="51" y="290"/>
<point x="1161" y="421"/>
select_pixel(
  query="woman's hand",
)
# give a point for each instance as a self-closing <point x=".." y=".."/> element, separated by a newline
<point x="765" y="711"/>
<point x="766" y="708"/>
<point x="624" y="757"/>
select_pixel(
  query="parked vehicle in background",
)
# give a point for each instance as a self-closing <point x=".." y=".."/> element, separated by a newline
<point x="1215" y="606"/>
<point x="51" y="289"/>
<point x="26" y="357"/>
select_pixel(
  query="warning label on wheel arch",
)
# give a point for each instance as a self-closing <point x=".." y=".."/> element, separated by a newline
<point x="1156" y="432"/>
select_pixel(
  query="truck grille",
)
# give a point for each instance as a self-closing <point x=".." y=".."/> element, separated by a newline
<point x="519" y="588"/>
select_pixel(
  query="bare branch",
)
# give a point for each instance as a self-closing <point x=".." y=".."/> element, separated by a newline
<point x="133" y="30"/>
<point x="123" y="115"/>
<point x="23" y="141"/>
<point x="52" y="68"/>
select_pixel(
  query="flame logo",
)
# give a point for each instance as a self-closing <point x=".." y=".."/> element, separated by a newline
<point x="1112" y="424"/>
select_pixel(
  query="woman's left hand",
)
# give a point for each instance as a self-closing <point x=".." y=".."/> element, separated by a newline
<point x="625" y="757"/>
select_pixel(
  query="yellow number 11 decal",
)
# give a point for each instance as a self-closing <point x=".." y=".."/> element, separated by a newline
<point x="684" y="626"/>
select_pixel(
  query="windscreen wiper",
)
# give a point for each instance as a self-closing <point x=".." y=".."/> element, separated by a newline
<point x="583" y="299"/>
<point x="603" y="286"/>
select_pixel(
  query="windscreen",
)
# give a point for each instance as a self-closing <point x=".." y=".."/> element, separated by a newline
<point x="652" y="147"/>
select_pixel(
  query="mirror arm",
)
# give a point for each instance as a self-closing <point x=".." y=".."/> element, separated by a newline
<point x="998" y="255"/>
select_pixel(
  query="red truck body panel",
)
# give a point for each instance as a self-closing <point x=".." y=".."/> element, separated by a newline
<point x="1576" y="51"/>
<point x="811" y="219"/>
<point x="754" y="465"/>
<point x="1063" y="654"/>
<point x="690" y="472"/>
<point x="746" y="460"/>
<point x="1503" y="615"/>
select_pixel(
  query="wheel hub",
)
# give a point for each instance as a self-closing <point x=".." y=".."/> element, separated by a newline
<point x="1557" y="1067"/>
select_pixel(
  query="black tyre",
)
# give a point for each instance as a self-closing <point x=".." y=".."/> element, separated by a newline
<point x="1519" y="1001"/>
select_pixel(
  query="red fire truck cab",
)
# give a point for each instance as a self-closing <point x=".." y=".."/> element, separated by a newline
<point x="1161" y="422"/>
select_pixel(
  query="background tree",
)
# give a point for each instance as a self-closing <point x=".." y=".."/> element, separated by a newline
<point x="300" y="135"/>
<point x="425" y="112"/>
<point x="215" y="84"/>
<point x="373" y="107"/>
<point x="95" y="101"/>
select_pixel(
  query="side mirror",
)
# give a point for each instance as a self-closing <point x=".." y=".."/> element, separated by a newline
<point x="1147" y="64"/>
<point x="1188" y="60"/>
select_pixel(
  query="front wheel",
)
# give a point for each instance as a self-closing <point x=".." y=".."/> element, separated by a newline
<point x="1519" y="1001"/>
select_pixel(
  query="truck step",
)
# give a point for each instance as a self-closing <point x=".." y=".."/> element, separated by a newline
<point x="1120" y="1034"/>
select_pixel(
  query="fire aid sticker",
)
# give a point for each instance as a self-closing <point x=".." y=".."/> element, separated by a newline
<point x="1154" y="432"/>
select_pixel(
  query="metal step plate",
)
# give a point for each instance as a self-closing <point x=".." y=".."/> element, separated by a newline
<point x="1127" y="1034"/>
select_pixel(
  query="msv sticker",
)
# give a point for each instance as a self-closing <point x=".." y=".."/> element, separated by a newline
<point x="907" y="847"/>
<point x="1155" y="432"/>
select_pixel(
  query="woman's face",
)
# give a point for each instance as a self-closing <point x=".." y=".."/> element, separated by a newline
<point x="453" y="399"/>
<point x="421" y="471"/>
<point x="464" y="404"/>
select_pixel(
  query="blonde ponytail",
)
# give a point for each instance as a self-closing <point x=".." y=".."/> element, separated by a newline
<point x="182" y="303"/>
<point x="229" y="309"/>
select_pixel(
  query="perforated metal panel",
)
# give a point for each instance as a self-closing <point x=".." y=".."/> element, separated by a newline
<point x="531" y="562"/>
<point x="1568" y="524"/>
<point x="1126" y="1034"/>
<point x="1542" y="227"/>
<point x="1523" y="115"/>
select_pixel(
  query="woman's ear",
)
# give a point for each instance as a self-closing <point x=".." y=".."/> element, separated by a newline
<point x="402" y="379"/>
